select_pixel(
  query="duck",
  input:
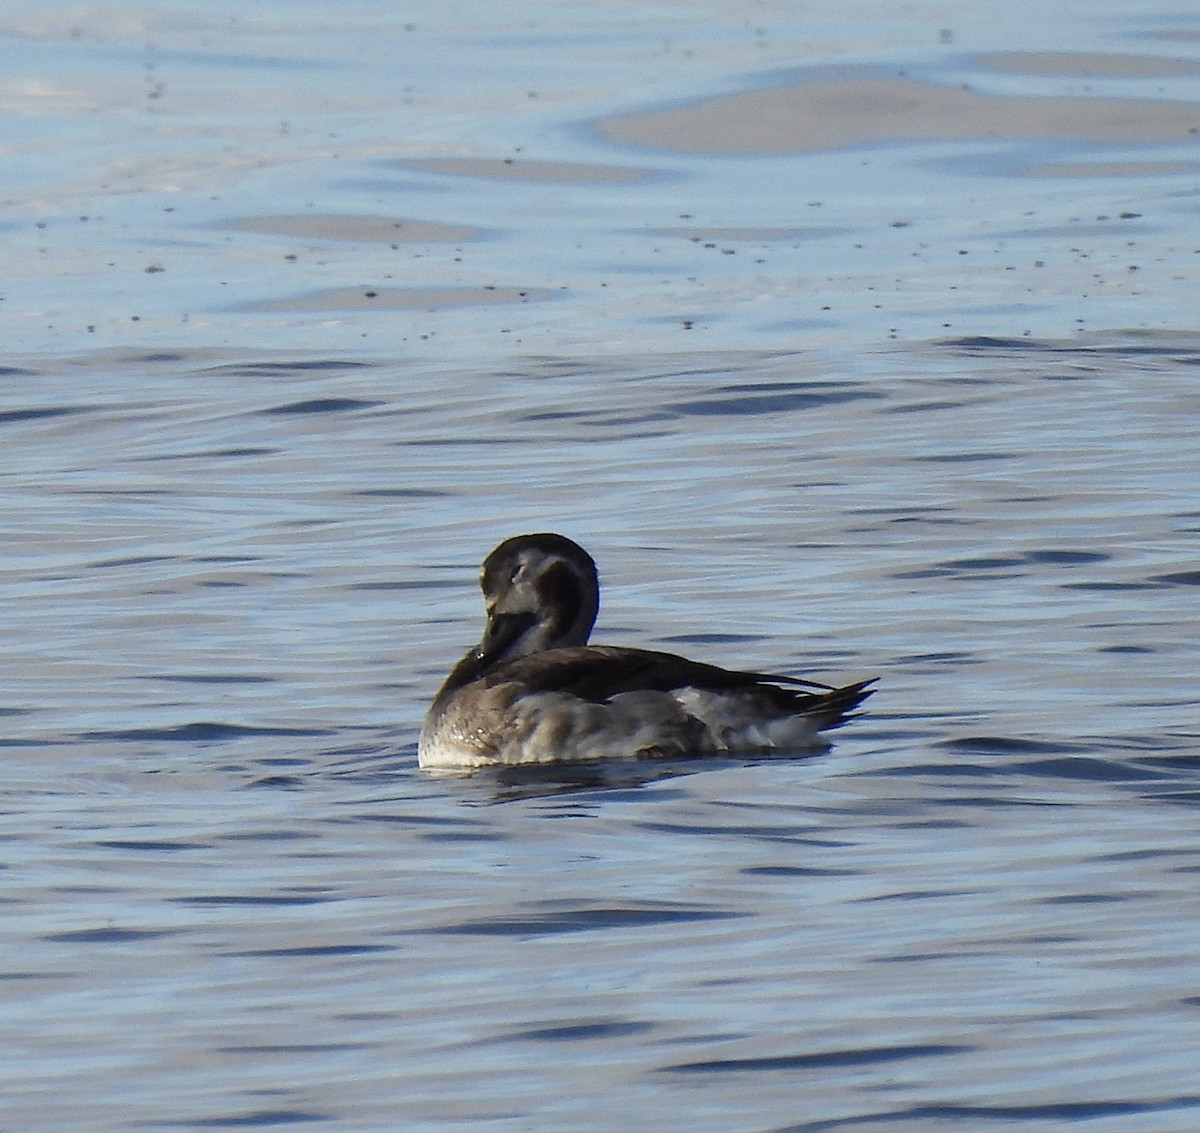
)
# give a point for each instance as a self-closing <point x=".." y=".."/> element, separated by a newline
<point x="533" y="691"/>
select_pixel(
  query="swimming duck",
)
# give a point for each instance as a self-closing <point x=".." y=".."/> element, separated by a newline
<point x="533" y="691"/>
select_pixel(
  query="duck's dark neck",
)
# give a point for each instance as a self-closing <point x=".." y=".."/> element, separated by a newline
<point x="569" y="605"/>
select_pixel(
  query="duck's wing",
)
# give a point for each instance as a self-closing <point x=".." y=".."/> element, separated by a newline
<point x="597" y="673"/>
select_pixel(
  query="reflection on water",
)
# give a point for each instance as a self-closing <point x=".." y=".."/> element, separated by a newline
<point x="674" y="180"/>
<point x="866" y="110"/>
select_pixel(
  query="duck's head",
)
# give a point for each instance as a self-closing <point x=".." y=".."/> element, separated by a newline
<point x="540" y="592"/>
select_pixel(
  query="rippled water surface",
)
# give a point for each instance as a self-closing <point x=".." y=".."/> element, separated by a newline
<point x="304" y="310"/>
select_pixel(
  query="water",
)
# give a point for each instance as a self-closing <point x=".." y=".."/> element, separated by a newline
<point x="914" y="417"/>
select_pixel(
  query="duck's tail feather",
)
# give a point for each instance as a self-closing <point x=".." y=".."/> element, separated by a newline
<point x="832" y="709"/>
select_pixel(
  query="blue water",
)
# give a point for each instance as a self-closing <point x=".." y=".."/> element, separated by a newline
<point x="870" y="436"/>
